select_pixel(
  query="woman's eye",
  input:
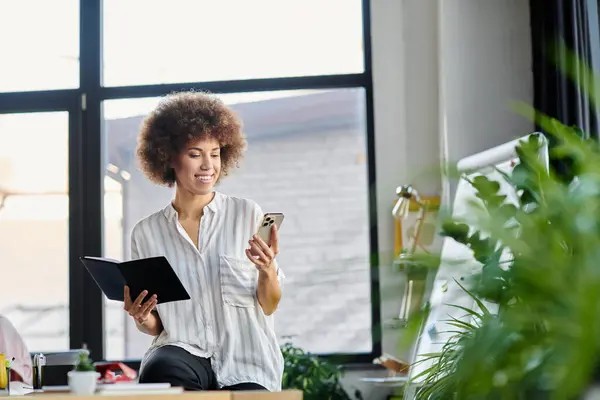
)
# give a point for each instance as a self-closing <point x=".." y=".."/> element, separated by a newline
<point x="216" y="155"/>
<point x="194" y="155"/>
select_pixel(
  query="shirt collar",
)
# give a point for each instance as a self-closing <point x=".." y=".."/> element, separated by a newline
<point x="213" y="206"/>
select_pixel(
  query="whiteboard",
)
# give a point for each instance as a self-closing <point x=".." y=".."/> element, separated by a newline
<point x="457" y="259"/>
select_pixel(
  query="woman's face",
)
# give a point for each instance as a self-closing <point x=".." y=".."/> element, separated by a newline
<point x="197" y="167"/>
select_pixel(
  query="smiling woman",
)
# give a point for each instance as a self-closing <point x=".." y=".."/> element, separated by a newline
<point x="178" y="118"/>
<point x="194" y="161"/>
<point x="224" y="337"/>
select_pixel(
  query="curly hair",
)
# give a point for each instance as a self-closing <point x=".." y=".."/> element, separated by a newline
<point x="179" y="119"/>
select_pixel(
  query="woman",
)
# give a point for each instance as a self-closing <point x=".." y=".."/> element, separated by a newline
<point x="12" y="345"/>
<point x="223" y="338"/>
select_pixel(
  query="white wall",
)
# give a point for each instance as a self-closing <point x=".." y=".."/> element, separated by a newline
<point x="406" y="122"/>
<point x="485" y="64"/>
<point x="444" y="72"/>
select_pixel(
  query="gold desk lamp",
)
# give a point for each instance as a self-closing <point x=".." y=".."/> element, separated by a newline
<point x="414" y="289"/>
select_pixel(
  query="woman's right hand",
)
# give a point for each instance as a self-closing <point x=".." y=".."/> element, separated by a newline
<point x="140" y="312"/>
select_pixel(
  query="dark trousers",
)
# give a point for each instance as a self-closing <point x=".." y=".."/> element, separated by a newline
<point x="174" y="365"/>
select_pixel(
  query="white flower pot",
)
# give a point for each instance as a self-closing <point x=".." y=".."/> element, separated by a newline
<point x="83" y="382"/>
<point x="593" y="392"/>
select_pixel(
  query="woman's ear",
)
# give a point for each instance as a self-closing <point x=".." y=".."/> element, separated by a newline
<point x="170" y="176"/>
<point x="174" y="164"/>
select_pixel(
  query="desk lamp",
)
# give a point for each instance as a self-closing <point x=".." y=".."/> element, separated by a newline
<point x="407" y="194"/>
<point x="414" y="288"/>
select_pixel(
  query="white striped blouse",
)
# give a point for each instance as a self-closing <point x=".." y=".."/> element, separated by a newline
<point x="223" y="320"/>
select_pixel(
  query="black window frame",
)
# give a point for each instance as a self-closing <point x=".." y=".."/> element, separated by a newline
<point x="86" y="305"/>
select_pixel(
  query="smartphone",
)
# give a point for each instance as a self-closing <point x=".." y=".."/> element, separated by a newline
<point x="265" y="228"/>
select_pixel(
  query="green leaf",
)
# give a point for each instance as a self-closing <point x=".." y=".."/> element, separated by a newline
<point x="456" y="231"/>
<point x="482" y="248"/>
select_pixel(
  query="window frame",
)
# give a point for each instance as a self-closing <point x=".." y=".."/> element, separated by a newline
<point x="86" y="305"/>
<point x="63" y="101"/>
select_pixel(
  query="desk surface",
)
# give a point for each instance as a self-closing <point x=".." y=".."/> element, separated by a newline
<point x="216" y="395"/>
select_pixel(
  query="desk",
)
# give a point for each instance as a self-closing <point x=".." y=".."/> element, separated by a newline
<point x="217" y="395"/>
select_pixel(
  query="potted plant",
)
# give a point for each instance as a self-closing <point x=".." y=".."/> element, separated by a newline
<point x="83" y="378"/>
<point x="318" y="379"/>
<point x="544" y="341"/>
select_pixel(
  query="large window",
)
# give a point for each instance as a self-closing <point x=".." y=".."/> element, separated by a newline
<point x="298" y="74"/>
<point x="34" y="227"/>
<point x="208" y="40"/>
<point x="39" y="48"/>
<point x="307" y="158"/>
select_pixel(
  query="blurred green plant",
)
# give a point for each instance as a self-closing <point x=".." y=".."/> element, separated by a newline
<point x="544" y="341"/>
<point x="317" y="378"/>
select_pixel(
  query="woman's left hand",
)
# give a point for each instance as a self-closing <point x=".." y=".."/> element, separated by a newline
<point x="261" y="254"/>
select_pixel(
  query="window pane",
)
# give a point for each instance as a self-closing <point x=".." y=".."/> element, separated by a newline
<point x="307" y="158"/>
<point x="34" y="221"/>
<point x="40" y="45"/>
<point x="207" y="40"/>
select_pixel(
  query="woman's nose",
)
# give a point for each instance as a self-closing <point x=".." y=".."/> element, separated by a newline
<point x="206" y="163"/>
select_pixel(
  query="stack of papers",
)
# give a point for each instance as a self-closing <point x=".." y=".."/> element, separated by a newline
<point x="122" y="388"/>
<point x="117" y="389"/>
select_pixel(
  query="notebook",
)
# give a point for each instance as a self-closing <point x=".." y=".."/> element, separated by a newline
<point x="153" y="274"/>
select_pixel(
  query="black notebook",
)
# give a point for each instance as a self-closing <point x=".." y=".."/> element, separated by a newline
<point x="153" y="274"/>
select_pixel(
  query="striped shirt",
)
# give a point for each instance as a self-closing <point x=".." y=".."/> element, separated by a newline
<point x="223" y="320"/>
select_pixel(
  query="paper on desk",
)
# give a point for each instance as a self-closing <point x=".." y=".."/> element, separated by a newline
<point x="18" y="388"/>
